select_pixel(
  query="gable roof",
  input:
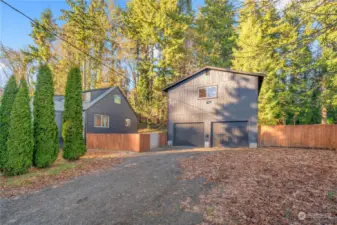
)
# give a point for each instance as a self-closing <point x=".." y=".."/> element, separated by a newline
<point x="261" y="75"/>
<point x="59" y="101"/>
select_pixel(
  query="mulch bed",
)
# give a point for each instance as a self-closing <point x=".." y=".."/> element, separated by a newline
<point x="59" y="172"/>
<point x="266" y="186"/>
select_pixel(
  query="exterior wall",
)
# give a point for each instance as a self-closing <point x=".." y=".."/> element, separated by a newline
<point x="58" y="119"/>
<point x="236" y="101"/>
<point x="116" y="112"/>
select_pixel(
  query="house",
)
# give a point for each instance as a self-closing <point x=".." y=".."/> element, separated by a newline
<point x="105" y="110"/>
<point x="214" y="107"/>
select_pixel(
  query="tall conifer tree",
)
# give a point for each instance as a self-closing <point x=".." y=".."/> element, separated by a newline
<point x="45" y="129"/>
<point x="6" y="106"/>
<point x="216" y="34"/>
<point x="72" y="129"/>
<point x="20" y="141"/>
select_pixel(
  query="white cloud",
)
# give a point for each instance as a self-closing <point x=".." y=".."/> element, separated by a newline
<point x="3" y="76"/>
<point x="2" y="66"/>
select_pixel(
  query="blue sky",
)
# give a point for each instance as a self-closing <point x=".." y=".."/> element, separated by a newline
<point x="15" y="29"/>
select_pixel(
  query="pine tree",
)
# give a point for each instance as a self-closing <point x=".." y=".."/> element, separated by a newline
<point x="216" y="36"/>
<point x="45" y="128"/>
<point x="20" y="142"/>
<point x="5" y="112"/>
<point x="72" y="129"/>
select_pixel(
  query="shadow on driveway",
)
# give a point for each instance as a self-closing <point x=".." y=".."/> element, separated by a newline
<point x="144" y="189"/>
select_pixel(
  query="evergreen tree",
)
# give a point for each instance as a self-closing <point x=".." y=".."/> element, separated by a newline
<point x="259" y="53"/>
<point x="216" y="36"/>
<point x="6" y="106"/>
<point x="20" y="141"/>
<point x="45" y="128"/>
<point x="158" y="30"/>
<point x="72" y="132"/>
<point x="42" y="37"/>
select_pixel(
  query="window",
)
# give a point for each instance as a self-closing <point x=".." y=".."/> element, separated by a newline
<point x="101" y="121"/>
<point x="208" y="92"/>
<point x="117" y="99"/>
<point x="127" y="122"/>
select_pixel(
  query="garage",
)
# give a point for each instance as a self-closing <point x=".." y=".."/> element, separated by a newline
<point x="189" y="134"/>
<point x="230" y="134"/>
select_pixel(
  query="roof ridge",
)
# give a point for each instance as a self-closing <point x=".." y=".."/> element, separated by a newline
<point x="211" y="68"/>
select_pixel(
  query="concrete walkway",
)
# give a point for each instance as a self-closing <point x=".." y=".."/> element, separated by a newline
<point x="144" y="189"/>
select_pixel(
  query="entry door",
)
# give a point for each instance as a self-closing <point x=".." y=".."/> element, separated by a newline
<point x="189" y="134"/>
<point x="230" y="134"/>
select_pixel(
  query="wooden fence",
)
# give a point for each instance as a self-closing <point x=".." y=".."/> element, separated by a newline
<point x="301" y="136"/>
<point x="133" y="142"/>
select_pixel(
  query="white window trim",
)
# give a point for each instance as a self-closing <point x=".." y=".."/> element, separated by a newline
<point x="205" y="87"/>
<point x="101" y="115"/>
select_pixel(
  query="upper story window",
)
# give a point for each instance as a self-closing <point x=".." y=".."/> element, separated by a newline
<point x="101" y="121"/>
<point x="127" y="122"/>
<point x="86" y="97"/>
<point x="117" y="99"/>
<point x="208" y="92"/>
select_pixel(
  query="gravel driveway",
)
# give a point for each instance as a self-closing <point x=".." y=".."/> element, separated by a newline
<point x="145" y="189"/>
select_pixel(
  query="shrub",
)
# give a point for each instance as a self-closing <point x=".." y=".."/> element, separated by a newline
<point x="5" y="111"/>
<point x="46" y="143"/>
<point x="20" y="138"/>
<point x="72" y="128"/>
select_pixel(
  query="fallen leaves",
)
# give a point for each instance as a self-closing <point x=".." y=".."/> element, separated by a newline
<point x="266" y="186"/>
<point x="59" y="172"/>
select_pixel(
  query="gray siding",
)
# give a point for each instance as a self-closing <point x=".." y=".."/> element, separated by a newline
<point x="58" y="119"/>
<point x="236" y="101"/>
<point x="116" y="112"/>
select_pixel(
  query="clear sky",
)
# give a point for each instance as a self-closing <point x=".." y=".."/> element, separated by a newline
<point x="15" y="29"/>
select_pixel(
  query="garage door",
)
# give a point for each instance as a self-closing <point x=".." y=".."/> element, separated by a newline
<point x="230" y="134"/>
<point x="189" y="134"/>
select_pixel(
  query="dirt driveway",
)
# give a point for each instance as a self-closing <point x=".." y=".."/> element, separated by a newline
<point x="145" y="189"/>
<point x="192" y="186"/>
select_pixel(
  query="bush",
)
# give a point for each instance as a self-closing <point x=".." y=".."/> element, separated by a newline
<point x="20" y="138"/>
<point x="46" y="144"/>
<point x="72" y="128"/>
<point x="7" y="101"/>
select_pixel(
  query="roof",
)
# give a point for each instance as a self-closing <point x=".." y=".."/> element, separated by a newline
<point x="98" y="89"/>
<point x="212" y="68"/>
<point x="59" y="104"/>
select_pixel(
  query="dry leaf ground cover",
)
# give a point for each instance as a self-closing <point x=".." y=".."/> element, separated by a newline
<point x="266" y="186"/>
<point x="62" y="170"/>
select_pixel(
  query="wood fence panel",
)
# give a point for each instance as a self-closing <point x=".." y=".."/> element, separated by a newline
<point x="301" y="136"/>
<point x="134" y="142"/>
<point x="162" y="139"/>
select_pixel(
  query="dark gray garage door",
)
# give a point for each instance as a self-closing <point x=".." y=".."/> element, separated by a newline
<point x="189" y="134"/>
<point x="229" y="134"/>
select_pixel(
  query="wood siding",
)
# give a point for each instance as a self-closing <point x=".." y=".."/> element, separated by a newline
<point x="299" y="136"/>
<point x="129" y="142"/>
<point x="236" y="101"/>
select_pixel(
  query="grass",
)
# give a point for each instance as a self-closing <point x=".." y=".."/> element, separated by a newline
<point x="60" y="171"/>
<point x="266" y="186"/>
